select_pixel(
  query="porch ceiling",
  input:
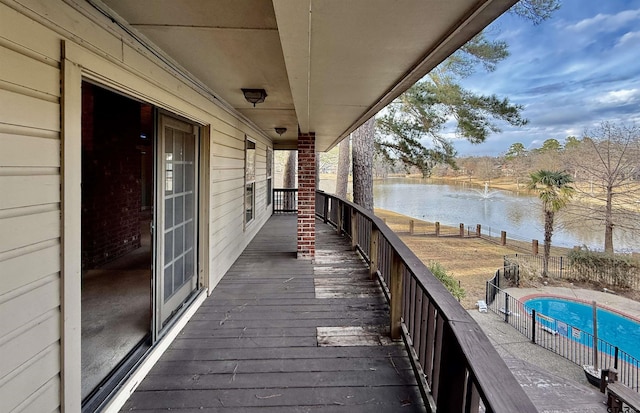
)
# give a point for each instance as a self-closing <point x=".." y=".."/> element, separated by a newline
<point x="326" y="65"/>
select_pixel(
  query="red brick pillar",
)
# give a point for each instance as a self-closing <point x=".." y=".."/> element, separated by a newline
<point x="306" y="196"/>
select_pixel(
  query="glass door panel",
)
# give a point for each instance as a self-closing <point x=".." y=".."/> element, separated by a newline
<point x="179" y="218"/>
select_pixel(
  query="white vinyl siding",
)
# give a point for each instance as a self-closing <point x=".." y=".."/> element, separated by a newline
<point x="30" y="319"/>
<point x="32" y="33"/>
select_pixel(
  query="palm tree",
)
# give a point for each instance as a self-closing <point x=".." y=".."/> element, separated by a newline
<point x="555" y="191"/>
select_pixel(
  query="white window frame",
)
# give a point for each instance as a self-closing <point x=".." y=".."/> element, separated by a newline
<point x="249" y="180"/>
<point x="269" y="173"/>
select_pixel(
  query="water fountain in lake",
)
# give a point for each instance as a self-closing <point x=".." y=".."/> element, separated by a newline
<point x="486" y="194"/>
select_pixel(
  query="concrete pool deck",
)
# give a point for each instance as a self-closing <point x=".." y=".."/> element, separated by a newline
<point x="553" y="383"/>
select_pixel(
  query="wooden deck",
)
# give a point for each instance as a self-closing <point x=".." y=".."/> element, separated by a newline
<point x="285" y="335"/>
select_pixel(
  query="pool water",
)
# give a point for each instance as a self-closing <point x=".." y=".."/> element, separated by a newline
<point x="618" y="330"/>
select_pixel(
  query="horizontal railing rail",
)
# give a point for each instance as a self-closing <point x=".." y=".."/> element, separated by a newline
<point x="455" y="364"/>
<point x="285" y="200"/>
<point x="566" y="340"/>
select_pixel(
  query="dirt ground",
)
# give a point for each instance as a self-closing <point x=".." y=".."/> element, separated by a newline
<point x="472" y="261"/>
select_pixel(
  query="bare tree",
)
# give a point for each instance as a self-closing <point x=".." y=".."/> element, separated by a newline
<point x="342" y="178"/>
<point x="606" y="165"/>
<point x="328" y="161"/>
<point x="486" y="168"/>
<point x="362" y="151"/>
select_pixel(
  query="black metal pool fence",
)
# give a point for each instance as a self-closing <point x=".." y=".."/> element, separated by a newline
<point x="613" y="276"/>
<point x="561" y="338"/>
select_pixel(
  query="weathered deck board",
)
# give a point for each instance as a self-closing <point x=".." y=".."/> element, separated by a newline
<point x="266" y="339"/>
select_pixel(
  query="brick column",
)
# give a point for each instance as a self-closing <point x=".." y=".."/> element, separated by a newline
<point x="306" y="196"/>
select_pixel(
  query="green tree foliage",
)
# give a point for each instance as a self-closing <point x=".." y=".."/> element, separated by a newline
<point x="571" y="142"/>
<point x="550" y="146"/>
<point x="445" y="278"/>
<point x="554" y="190"/>
<point x="516" y="150"/>
<point x="412" y="128"/>
<point x="536" y="11"/>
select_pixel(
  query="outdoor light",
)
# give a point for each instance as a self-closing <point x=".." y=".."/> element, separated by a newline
<point x="254" y="95"/>
<point x="280" y="131"/>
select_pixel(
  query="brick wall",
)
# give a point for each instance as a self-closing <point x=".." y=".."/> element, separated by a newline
<point x="306" y="196"/>
<point x="111" y="170"/>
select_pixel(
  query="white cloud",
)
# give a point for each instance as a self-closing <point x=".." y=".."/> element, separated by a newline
<point x="619" y="97"/>
<point x="606" y="22"/>
<point x="629" y="39"/>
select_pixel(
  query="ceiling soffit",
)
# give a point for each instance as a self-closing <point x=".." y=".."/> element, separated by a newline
<point x="327" y="65"/>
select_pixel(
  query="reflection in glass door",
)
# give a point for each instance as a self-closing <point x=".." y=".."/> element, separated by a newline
<point x="178" y="217"/>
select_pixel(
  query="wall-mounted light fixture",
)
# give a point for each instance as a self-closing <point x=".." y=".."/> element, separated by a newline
<point x="280" y="131"/>
<point x="254" y="95"/>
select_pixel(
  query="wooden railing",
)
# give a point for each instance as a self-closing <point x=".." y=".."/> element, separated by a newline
<point x="457" y="367"/>
<point x="285" y="200"/>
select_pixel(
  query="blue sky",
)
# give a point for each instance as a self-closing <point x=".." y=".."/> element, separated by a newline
<point x="571" y="72"/>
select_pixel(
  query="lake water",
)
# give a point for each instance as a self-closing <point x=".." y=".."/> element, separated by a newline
<point x="518" y="214"/>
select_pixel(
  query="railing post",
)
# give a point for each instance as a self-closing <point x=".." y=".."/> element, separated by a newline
<point x="533" y="326"/>
<point x="506" y="307"/>
<point x="450" y="391"/>
<point x="354" y="228"/>
<point x="486" y="293"/>
<point x="478" y="230"/>
<point x="395" y="290"/>
<point x="339" y="218"/>
<point x="503" y="238"/>
<point x="411" y="224"/>
<point x="437" y="229"/>
<point x="461" y="230"/>
<point x="326" y="209"/>
<point x="534" y="246"/>
<point x="373" y="251"/>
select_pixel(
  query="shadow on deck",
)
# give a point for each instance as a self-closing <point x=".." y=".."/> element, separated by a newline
<point x="282" y="335"/>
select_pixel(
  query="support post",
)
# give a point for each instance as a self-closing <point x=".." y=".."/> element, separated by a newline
<point x="411" y="226"/>
<point x="373" y="252"/>
<point x="395" y="289"/>
<point x="503" y="238"/>
<point x="306" y="196"/>
<point x="478" y="230"/>
<point x="437" y="229"/>
<point x="461" y="230"/>
<point x="534" y="246"/>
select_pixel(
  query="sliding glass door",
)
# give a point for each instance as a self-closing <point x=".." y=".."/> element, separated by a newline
<point x="177" y="218"/>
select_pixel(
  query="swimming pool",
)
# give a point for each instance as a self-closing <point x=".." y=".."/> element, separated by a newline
<point x="618" y="330"/>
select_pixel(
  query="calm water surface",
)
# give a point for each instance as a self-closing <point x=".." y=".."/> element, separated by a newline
<point x="519" y="215"/>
